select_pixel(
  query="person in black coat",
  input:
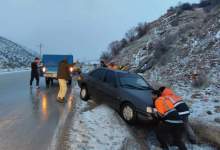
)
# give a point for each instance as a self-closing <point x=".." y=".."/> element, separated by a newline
<point x="102" y="64"/>
<point x="35" y="72"/>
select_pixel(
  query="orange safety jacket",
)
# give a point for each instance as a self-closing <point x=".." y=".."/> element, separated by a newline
<point x="167" y="110"/>
<point x="177" y="101"/>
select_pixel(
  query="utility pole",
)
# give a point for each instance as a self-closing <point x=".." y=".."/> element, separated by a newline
<point x="40" y="46"/>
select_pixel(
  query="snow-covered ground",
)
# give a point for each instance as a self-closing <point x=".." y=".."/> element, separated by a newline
<point x="6" y="71"/>
<point x="205" y="104"/>
<point x="95" y="126"/>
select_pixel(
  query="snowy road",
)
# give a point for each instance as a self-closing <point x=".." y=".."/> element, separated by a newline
<point x="29" y="119"/>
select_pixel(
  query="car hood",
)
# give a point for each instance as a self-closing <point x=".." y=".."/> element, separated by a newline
<point x="139" y="97"/>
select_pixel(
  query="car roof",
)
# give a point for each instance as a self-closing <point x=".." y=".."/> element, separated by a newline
<point x="117" y="71"/>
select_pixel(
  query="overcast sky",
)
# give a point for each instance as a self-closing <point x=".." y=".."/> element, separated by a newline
<point x="83" y="28"/>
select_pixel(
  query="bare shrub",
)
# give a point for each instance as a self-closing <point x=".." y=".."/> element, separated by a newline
<point x="186" y="6"/>
<point x="170" y="39"/>
<point x="214" y="2"/>
<point x="164" y="60"/>
<point x="160" y="48"/>
<point x="142" y="29"/>
<point x="115" y="48"/>
<point x="199" y="79"/>
<point x="131" y="35"/>
<point x="204" y="3"/>
<point x="124" y="43"/>
<point x="208" y="5"/>
<point x="181" y="8"/>
<point x="105" y="56"/>
<point x="175" y="22"/>
<point x="171" y="9"/>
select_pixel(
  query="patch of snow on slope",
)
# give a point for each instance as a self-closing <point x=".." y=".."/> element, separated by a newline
<point x="218" y="35"/>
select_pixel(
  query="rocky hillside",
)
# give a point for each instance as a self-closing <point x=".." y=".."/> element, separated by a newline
<point x="13" y="55"/>
<point x="178" y="49"/>
<point x="182" y="50"/>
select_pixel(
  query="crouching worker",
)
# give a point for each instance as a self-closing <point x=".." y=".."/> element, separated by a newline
<point x="169" y="122"/>
<point x="179" y="104"/>
<point x="63" y="76"/>
<point x="182" y="109"/>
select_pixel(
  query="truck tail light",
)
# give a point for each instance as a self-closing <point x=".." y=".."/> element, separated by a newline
<point x="71" y="69"/>
<point x="44" y="69"/>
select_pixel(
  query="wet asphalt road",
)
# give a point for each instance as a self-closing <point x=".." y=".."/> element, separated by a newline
<point x="29" y="118"/>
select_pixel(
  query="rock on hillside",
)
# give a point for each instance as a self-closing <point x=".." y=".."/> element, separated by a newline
<point x="13" y="55"/>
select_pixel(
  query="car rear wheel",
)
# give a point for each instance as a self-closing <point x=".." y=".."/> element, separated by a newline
<point x="70" y="82"/>
<point x="128" y="113"/>
<point x="84" y="95"/>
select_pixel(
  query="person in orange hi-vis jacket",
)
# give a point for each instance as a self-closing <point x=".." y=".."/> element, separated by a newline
<point x="182" y="108"/>
<point x="169" y="122"/>
<point x="179" y="104"/>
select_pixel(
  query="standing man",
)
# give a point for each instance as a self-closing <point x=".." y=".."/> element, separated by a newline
<point x="102" y="64"/>
<point x="63" y="76"/>
<point x="76" y="73"/>
<point x="169" y="122"/>
<point x="35" y="72"/>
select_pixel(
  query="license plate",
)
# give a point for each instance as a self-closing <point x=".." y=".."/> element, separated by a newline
<point x="50" y="75"/>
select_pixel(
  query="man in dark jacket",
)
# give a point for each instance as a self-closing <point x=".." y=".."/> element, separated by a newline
<point x="35" y="72"/>
<point x="102" y="64"/>
<point x="63" y="76"/>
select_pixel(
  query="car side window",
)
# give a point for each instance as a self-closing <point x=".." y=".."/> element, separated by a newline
<point x="98" y="74"/>
<point x="110" y="78"/>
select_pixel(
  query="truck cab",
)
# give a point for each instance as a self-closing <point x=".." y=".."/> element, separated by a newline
<point x="50" y="65"/>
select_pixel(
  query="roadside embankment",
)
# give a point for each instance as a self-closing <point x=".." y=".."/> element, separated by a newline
<point x="206" y="131"/>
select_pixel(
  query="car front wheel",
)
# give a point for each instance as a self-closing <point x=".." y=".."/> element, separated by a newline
<point x="84" y="95"/>
<point x="128" y="113"/>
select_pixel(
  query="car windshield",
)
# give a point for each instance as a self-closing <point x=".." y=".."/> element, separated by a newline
<point x="133" y="82"/>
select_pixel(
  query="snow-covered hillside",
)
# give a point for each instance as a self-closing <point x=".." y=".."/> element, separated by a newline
<point x="13" y="55"/>
<point x="182" y="51"/>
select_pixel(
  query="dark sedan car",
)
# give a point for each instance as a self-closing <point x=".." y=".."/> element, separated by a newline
<point x="126" y="92"/>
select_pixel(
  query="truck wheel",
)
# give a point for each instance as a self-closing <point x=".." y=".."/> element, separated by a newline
<point x="84" y="95"/>
<point x="47" y="82"/>
<point x="128" y="113"/>
<point x="69" y="82"/>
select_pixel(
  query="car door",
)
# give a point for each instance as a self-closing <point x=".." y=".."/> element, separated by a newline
<point x="109" y="89"/>
<point x="94" y="83"/>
